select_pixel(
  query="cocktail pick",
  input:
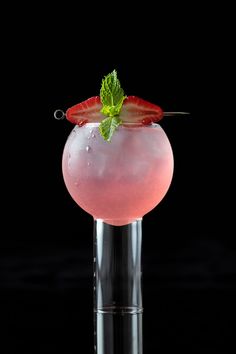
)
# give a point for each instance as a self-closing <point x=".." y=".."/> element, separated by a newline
<point x="170" y="114"/>
<point x="59" y="114"/>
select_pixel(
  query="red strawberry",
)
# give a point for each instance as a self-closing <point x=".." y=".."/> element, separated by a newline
<point x="86" y="111"/>
<point x="134" y="110"/>
<point x="137" y="110"/>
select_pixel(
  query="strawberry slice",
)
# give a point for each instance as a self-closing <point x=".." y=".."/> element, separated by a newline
<point x="137" y="110"/>
<point x="134" y="110"/>
<point x="86" y="111"/>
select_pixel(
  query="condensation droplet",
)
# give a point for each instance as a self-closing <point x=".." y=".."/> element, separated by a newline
<point x="94" y="259"/>
<point x="89" y="163"/>
<point x="76" y="183"/>
<point x="88" y="148"/>
<point x="69" y="160"/>
<point x="93" y="135"/>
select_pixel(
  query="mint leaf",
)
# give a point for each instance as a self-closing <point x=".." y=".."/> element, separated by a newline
<point x="112" y="97"/>
<point x="108" y="126"/>
<point x="111" y="94"/>
<point x="112" y="111"/>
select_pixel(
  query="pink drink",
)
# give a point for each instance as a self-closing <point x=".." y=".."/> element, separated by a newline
<point x="119" y="181"/>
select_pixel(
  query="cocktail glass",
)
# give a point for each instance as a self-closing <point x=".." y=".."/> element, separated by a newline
<point x="118" y="182"/>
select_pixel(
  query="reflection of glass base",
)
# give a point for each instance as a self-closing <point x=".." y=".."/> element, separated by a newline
<point x="117" y="288"/>
<point x="118" y="334"/>
<point x="120" y="310"/>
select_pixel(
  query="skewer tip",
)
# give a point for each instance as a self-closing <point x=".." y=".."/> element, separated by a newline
<point x="169" y="114"/>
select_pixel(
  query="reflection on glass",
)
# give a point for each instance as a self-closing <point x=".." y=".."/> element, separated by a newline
<point x="117" y="291"/>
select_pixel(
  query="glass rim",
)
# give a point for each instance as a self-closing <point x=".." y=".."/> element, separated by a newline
<point x="128" y="124"/>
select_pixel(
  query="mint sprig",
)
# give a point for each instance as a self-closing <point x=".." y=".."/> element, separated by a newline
<point x="108" y="126"/>
<point x="112" y="98"/>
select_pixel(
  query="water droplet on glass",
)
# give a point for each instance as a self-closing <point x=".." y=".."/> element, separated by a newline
<point x="88" y="148"/>
<point x="94" y="259"/>
<point x="76" y="183"/>
<point x="89" y="163"/>
<point x="93" y="135"/>
<point x="69" y="160"/>
<point x="90" y="131"/>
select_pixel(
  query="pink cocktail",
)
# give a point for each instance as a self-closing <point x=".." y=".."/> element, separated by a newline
<point x="122" y="180"/>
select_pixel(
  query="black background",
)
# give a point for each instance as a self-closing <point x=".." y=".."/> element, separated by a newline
<point x="169" y="58"/>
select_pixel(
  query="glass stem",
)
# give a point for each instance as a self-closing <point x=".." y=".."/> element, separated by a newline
<point x="117" y="288"/>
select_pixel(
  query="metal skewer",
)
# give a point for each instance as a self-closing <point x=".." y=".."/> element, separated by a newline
<point x="169" y="114"/>
<point x="59" y="114"/>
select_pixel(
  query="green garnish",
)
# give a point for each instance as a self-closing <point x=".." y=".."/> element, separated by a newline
<point x="112" y="97"/>
<point x="108" y="126"/>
